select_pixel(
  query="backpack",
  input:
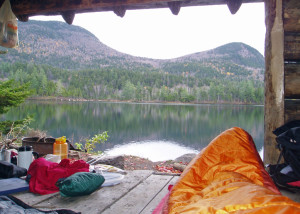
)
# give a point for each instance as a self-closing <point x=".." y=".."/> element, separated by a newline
<point x="286" y="175"/>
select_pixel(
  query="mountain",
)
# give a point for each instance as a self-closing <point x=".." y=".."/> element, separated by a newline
<point x="64" y="46"/>
<point x="233" y="59"/>
<point x="73" y="48"/>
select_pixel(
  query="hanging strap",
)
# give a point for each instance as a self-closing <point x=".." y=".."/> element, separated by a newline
<point x="279" y="158"/>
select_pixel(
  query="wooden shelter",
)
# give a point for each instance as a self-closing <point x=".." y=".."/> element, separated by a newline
<point x="282" y="75"/>
<point x="282" y="46"/>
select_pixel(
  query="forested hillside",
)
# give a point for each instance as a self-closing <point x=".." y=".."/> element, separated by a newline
<point x="68" y="61"/>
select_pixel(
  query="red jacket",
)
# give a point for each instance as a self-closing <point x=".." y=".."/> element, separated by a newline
<point x="44" y="174"/>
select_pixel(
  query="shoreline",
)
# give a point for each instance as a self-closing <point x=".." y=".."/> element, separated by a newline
<point x="131" y="162"/>
<point x="138" y="102"/>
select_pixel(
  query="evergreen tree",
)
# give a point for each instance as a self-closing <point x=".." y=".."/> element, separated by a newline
<point x="128" y="92"/>
<point x="11" y="95"/>
<point x="117" y="83"/>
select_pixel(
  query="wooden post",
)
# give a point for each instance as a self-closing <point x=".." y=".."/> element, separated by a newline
<point x="274" y="77"/>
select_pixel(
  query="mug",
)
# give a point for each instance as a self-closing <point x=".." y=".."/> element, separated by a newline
<point x="2" y="154"/>
<point x="7" y="156"/>
<point x="26" y="156"/>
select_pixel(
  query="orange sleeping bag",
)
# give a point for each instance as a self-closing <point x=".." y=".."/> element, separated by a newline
<point x="228" y="176"/>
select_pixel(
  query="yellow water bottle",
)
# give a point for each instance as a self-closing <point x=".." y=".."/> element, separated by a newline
<point x="60" y="147"/>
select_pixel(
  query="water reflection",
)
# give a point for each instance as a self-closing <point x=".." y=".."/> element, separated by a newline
<point x="190" y="126"/>
<point x="261" y="153"/>
<point x="152" y="150"/>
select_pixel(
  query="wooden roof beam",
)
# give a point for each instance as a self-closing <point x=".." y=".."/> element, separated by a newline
<point x="68" y="16"/>
<point x="23" y="18"/>
<point x="234" y="5"/>
<point x="119" y="11"/>
<point x="27" y="8"/>
<point x="175" y="6"/>
<point x="55" y="7"/>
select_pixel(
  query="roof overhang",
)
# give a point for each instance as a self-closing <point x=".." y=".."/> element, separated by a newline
<point x="24" y="9"/>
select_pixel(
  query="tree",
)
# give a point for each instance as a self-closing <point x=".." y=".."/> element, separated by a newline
<point x="164" y="93"/>
<point x="59" y="88"/>
<point x="128" y="92"/>
<point x="138" y="92"/>
<point x="184" y="95"/>
<point x="212" y="92"/>
<point x="11" y="95"/>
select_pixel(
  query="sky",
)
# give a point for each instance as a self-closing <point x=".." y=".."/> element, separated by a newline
<point x="158" y="34"/>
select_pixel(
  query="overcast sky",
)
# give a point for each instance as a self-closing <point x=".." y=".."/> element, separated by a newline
<point x="159" y="34"/>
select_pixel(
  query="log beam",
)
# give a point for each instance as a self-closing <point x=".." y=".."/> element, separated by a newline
<point x="292" y="46"/>
<point x="274" y="77"/>
<point x="292" y="110"/>
<point x="58" y="7"/>
<point x="120" y="11"/>
<point x="68" y="16"/>
<point x="175" y="7"/>
<point x="23" y="18"/>
<point x="234" y="5"/>
<point x="291" y="81"/>
<point x="291" y="17"/>
<point x="291" y="21"/>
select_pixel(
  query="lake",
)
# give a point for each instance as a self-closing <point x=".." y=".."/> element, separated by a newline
<point x="154" y="131"/>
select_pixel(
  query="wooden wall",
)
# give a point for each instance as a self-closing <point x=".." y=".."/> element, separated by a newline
<point x="291" y="23"/>
<point x="282" y="76"/>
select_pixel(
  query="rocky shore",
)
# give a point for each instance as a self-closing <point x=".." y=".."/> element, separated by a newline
<point x="128" y="162"/>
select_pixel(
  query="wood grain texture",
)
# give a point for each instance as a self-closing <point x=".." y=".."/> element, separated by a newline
<point x="155" y="201"/>
<point x="57" y="7"/>
<point x="291" y="23"/>
<point x="292" y="110"/>
<point x="292" y="46"/>
<point x="292" y="81"/>
<point x="234" y="5"/>
<point x="274" y="78"/>
<point x="137" y="199"/>
<point x="291" y="19"/>
<point x="94" y="203"/>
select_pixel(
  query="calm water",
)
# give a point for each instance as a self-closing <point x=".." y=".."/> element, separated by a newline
<point x="154" y="131"/>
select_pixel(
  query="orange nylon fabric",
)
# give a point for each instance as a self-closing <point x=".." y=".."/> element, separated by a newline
<point x="228" y="176"/>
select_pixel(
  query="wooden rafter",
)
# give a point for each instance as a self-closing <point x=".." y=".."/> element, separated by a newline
<point x="234" y="5"/>
<point x="26" y="8"/>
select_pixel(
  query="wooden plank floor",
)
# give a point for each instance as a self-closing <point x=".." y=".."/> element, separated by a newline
<point x="139" y="192"/>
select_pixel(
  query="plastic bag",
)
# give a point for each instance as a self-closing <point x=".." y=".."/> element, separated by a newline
<point x="8" y="26"/>
<point x="80" y="183"/>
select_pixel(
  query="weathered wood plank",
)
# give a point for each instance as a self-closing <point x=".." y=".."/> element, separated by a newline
<point x="31" y="199"/>
<point x="292" y="46"/>
<point x="290" y="4"/>
<point x="291" y="11"/>
<point x="57" y="7"/>
<point x="153" y="204"/>
<point x="139" y="197"/>
<point x="292" y="110"/>
<point x="274" y="77"/>
<point x="292" y="81"/>
<point x="98" y="200"/>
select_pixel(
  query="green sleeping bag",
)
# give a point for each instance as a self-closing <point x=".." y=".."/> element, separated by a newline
<point x="80" y="183"/>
